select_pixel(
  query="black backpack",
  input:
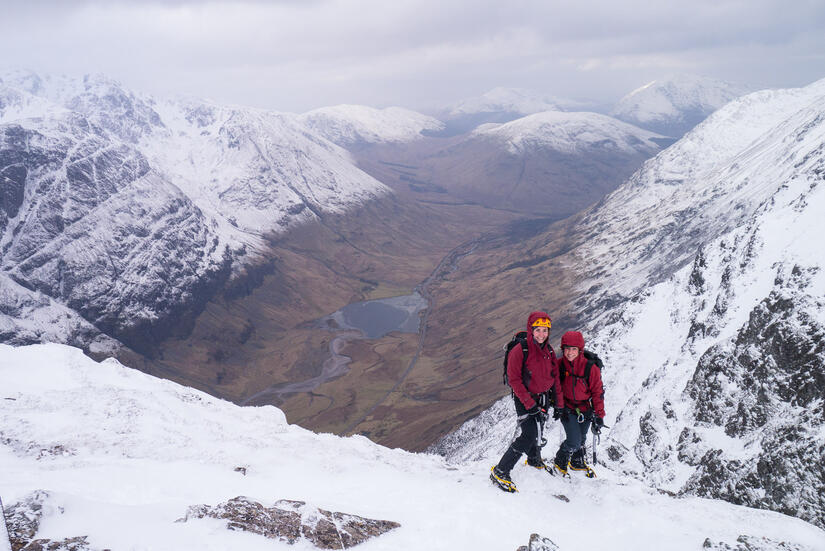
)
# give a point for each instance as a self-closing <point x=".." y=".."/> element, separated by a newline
<point x="519" y="338"/>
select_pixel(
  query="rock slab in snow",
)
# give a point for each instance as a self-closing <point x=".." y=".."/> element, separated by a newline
<point x="23" y="519"/>
<point x="539" y="543"/>
<point x="289" y="521"/>
<point x="69" y="544"/>
<point x="749" y="543"/>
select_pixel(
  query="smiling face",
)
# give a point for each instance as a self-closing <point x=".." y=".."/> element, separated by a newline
<point x="540" y="334"/>
<point x="571" y="353"/>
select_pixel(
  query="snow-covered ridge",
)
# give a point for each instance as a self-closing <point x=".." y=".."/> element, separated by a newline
<point x="706" y="184"/>
<point x="574" y="132"/>
<point x="674" y="104"/>
<point x="109" y="195"/>
<point x="348" y="125"/>
<point x="512" y="100"/>
<point x="123" y="455"/>
<point x="723" y="359"/>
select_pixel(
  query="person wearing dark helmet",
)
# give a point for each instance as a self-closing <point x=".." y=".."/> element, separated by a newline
<point x="530" y="380"/>
<point x="583" y="395"/>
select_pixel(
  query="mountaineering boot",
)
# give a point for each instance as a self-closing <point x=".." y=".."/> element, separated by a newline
<point x="561" y="461"/>
<point x="577" y="463"/>
<point x="539" y="463"/>
<point x="502" y="480"/>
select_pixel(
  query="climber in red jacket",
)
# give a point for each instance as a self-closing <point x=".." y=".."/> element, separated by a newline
<point x="583" y="394"/>
<point x="531" y="381"/>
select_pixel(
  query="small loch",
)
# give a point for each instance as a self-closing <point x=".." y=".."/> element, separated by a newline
<point x="376" y="318"/>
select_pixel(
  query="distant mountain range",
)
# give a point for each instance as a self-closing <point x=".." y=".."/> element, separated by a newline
<point x="202" y="240"/>
<point x="551" y="163"/>
<point x="501" y="105"/>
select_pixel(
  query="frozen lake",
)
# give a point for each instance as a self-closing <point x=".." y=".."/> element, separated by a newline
<point x="376" y="318"/>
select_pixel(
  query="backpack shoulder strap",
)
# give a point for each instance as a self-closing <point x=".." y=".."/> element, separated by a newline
<point x="524" y="352"/>
<point x="525" y="374"/>
<point x="586" y="377"/>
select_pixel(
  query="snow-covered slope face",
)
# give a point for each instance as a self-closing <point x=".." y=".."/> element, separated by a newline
<point x="674" y="105"/>
<point x="131" y="211"/>
<point x="122" y="455"/>
<point x="259" y="170"/>
<point x="501" y="105"/>
<point x="511" y="100"/>
<point x="352" y="125"/>
<point x="562" y="161"/>
<point x="703" y="288"/>
<point x="724" y="364"/>
<point x="711" y="181"/>
<point x="572" y="133"/>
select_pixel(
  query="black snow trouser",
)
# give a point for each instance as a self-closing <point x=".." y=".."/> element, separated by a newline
<point x="526" y="442"/>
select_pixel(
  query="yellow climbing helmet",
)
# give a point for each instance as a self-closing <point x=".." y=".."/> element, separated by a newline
<point x="542" y="322"/>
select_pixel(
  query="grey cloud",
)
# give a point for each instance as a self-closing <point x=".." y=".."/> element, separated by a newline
<point x="296" y="55"/>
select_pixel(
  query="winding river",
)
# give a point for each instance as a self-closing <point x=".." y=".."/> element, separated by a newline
<point x="369" y="319"/>
<point x="372" y="319"/>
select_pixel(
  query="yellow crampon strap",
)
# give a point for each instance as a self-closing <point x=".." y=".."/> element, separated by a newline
<point x="507" y="484"/>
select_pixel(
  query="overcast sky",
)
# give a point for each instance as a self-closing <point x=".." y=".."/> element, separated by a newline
<point x="295" y="55"/>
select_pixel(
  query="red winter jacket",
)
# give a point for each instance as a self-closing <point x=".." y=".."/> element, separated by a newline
<point x="541" y="363"/>
<point x="578" y="392"/>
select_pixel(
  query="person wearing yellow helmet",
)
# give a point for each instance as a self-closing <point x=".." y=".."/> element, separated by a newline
<point x="531" y="380"/>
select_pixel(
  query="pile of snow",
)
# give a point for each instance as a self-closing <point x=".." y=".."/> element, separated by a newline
<point x="123" y="455"/>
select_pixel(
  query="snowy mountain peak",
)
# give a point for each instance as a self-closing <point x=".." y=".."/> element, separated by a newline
<point x="348" y="125"/>
<point x="512" y="100"/>
<point x="571" y="132"/>
<point x="674" y="104"/>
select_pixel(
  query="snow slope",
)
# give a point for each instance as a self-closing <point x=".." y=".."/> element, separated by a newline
<point x="702" y="282"/>
<point x="675" y="104"/>
<point x="348" y="125"/>
<point x="132" y="210"/>
<point x="711" y="181"/>
<point x="123" y="455"/>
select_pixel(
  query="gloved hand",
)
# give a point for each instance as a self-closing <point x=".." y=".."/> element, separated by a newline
<point x="560" y="413"/>
<point x="598" y="423"/>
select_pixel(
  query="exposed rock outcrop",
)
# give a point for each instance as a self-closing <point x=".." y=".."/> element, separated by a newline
<point x="539" y="543"/>
<point x="750" y="543"/>
<point x="290" y="521"/>
<point x="23" y="519"/>
<point x="69" y="544"/>
<point x="765" y="388"/>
